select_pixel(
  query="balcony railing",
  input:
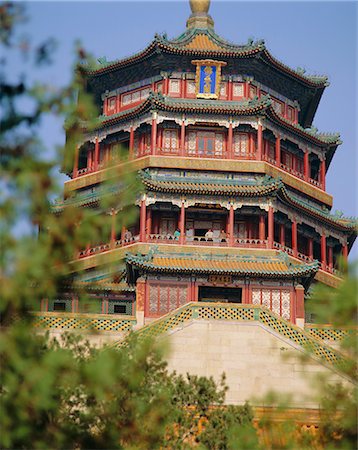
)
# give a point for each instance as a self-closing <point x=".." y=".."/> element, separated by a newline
<point x="215" y="154"/>
<point x="250" y="243"/>
<point x="168" y="238"/>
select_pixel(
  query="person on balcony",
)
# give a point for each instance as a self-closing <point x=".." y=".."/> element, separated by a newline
<point x="177" y="234"/>
<point x="209" y="235"/>
<point x="222" y="236"/>
<point x="190" y="234"/>
<point x="128" y="236"/>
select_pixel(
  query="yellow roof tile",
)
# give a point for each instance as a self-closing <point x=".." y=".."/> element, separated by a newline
<point x="202" y="42"/>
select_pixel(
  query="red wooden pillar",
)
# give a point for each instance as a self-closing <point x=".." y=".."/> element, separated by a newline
<point x="182" y="138"/>
<point x="270" y="227"/>
<point x="310" y="247"/>
<point x="345" y="253"/>
<point x="166" y="86"/>
<point x="182" y="224"/>
<point x="282" y="234"/>
<point x="75" y="163"/>
<point x="123" y="231"/>
<point x="262" y="231"/>
<point x="323" y="174"/>
<point x="148" y="222"/>
<point x="142" y="220"/>
<point x="229" y="89"/>
<point x="323" y="251"/>
<point x="131" y="142"/>
<point x="278" y="151"/>
<point x="96" y="155"/>
<point x="300" y="306"/>
<point x="231" y="226"/>
<point x="113" y="228"/>
<point x="246" y="89"/>
<point x="89" y="160"/>
<point x="153" y="141"/>
<point x="294" y="238"/>
<point x="330" y="257"/>
<point x="306" y="165"/>
<point x="229" y="141"/>
<point x="259" y="142"/>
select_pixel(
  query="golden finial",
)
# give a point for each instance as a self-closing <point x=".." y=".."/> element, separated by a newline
<point x="199" y="6"/>
<point x="199" y="15"/>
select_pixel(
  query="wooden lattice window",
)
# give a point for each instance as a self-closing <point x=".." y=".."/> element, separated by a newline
<point x="241" y="144"/>
<point x="135" y="96"/>
<point x="170" y="140"/>
<point x="278" y="106"/>
<point x="205" y="143"/>
<point x="112" y="105"/>
<point x="252" y="91"/>
<point x="238" y="89"/>
<point x="290" y="113"/>
<point x="277" y="300"/>
<point x="164" y="298"/>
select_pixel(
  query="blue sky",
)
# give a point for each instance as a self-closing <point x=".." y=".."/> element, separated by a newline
<point x="319" y="36"/>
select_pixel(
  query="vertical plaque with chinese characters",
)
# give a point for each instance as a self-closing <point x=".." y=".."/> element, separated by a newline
<point x="208" y="77"/>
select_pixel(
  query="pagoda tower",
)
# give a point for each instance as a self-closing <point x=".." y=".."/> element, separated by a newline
<point x="233" y="210"/>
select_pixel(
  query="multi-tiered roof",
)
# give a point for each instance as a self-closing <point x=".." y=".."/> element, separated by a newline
<point x="245" y="163"/>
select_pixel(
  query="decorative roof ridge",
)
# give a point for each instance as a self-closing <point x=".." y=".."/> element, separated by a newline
<point x="187" y="36"/>
<point x="102" y="65"/>
<point x="147" y="261"/>
<point x="312" y="132"/>
<point x="264" y="101"/>
<point x="157" y="100"/>
<point x="267" y="181"/>
<point x="352" y="222"/>
<point x="319" y="80"/>
<point x="279" y="256"/>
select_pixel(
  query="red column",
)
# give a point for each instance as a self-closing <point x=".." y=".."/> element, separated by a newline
<point x="148" y="224"/>
<point x="229" y="141"/>
<point x="282" y="234"/>
<point x="345" y="253"/>
<point x="323" y="174"/>
<point x="229" y="90"/>
<point x="89" y="160"/>
<point x="259" y="142"/>
<point x="75" y="163"/>
<point x="306" y="165"/>
<point x="262" y="231"/>
<point x="153" y="141"/>
<point x="123" y="230"/>
<point x="278" y="151"/>
<point x="231" y="226"/>
<point x="131" y="142"/>
<point x="270" y="227"/>
<point x="182" y="224"/>
<point x="323" y="251"/>
<point x="166" y="86"/>
<point x="310" y="248"/>
<point x="182" y="138"/>
<point x="113" y="228"/>
<point x="246" y="89"/>
<point x="294" y="238"/>
<point x="300" y="306"/>
<point x="330" y="257"/>
<point x="142" y="219"/>
<point x="96" y="155"/>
